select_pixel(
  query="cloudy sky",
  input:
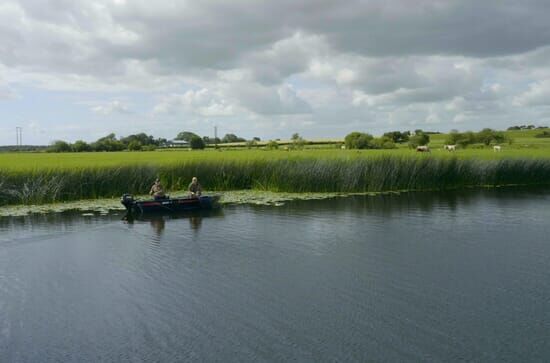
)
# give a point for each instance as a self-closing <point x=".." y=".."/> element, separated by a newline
<point x="79" y="69"/>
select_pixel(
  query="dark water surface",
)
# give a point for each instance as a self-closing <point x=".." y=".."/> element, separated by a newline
<point x="415" y="277"/>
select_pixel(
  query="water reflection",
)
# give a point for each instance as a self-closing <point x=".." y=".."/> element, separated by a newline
<point x="158" y="225"/>
<point x="386" y="205"/>
<point x="158" y="221"/>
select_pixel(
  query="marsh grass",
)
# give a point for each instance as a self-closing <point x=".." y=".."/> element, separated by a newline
<point x="390" y="172"/>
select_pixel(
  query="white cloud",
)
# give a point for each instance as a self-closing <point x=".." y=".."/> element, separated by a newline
<point x="111" y="107"/>
<point x="538" y="94"/>
<point x="201" y="102"/>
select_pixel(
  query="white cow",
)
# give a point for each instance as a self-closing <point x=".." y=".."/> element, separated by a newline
<point x="497" y="148"/>
<point x="423" y="149"/>
<point x="449" y="147"/>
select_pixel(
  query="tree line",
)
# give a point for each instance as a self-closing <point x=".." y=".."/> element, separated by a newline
<point x="110" y="142"/>
<point x="362" y="140"/>
<point x="141" y="142"/>
<point x="197" y="142"/>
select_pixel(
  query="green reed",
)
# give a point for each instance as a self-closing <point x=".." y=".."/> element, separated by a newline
<point x="375" y="174"/>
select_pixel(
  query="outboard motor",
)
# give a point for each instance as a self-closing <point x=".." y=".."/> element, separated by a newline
<point x="127" y="200"/>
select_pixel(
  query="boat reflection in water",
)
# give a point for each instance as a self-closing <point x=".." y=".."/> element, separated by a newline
<point x="158" y="221"/>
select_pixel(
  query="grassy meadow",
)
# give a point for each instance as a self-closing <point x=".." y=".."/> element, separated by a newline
<point x="48" y="177"/>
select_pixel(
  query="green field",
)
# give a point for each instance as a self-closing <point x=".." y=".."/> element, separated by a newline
<point x="47" y="161"/>
<point x="46" y="177"/>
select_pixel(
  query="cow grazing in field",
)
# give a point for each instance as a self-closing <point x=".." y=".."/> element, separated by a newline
<point x="423" y="149"/>
<point x="497" y="148"/>
<point x="449" y="147"/>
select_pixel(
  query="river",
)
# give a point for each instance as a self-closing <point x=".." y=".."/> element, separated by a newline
<point x="413" y="277"/>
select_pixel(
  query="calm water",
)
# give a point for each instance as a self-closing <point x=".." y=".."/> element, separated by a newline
<point x="419" y="277"/>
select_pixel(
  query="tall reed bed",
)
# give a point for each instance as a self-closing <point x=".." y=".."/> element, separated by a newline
<point x="384" y="173"/>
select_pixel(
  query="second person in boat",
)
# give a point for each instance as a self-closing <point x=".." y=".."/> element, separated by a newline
<point x="157" y="191"/>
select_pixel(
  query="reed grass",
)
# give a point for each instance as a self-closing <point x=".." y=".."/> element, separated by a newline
<point x="386" y="172"/>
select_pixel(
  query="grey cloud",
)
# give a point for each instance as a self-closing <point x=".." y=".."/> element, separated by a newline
<point x="538" y="94"/>
<point x="269" y="100"/>
<point x="218" y="35"/>
<point x="386" y="56"/>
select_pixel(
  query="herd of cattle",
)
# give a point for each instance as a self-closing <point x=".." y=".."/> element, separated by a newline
<point x="450" y="148"/>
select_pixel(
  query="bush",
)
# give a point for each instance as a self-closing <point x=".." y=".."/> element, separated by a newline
<point x="272" y="145"/>
<point x="148" y="148"/>
<point x="197" y="143"/>
<point x="298" y="142"/>
<point x="382" y="143"/>
<point x="543" y="134"/>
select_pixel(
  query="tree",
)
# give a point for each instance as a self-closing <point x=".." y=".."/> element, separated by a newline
<point x="358" y="140"/>
<point x="256" y="138"/>
<point x="486" y="136"/>
<point x="186" y="136"/>
<point x="419" y="139"/>
<point x="134" y="145"/>
<point x="197" y="143"/>
<point x="398" y="136"/>
<point x="81" y="146"/>
<point x="108" y="143"/>
<point x="60" y="146"/>
<point x="142" y="138"/>
<point x="232" y="138"/>
<point x="298" y="142"/>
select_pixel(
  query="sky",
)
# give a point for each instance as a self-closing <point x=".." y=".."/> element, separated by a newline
<point x="81" y="69"/>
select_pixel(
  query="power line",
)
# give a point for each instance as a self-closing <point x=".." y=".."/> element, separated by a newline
<point x="19" y="136"/>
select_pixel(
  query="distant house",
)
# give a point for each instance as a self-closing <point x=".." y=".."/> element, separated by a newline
<point x="176" y="143"/>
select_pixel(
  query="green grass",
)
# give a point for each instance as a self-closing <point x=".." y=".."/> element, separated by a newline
<point x="44" y="177"/>
<point x="49" y="161"/>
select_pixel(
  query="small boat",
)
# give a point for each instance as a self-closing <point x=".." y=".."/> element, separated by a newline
<point x="169" y="205"/>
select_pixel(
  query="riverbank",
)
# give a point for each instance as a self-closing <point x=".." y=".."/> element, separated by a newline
<point x="352" y="174"/>
<point x="108" y="205"/>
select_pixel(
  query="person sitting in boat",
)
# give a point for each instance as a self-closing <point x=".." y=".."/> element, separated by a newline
<point x="195" y="189"/>
<point x="157" y="191"/>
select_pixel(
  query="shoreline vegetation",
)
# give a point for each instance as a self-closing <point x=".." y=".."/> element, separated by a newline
<point x="349" y="173"/>
<point x="107" y="205"/>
